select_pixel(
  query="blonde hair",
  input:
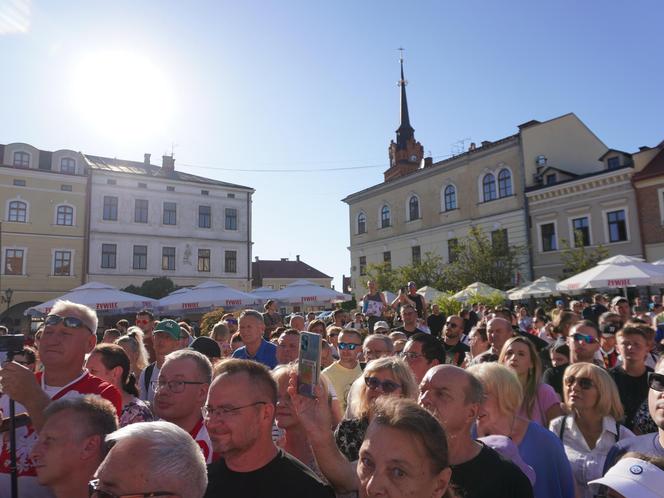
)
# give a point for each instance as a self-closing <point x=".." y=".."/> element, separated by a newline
<point x="358" y="401"/>
<point x="608" y="398"/>
<point x="502" y="382"/>
<point x="533" y="380"/>
<point x="134" y="339"/>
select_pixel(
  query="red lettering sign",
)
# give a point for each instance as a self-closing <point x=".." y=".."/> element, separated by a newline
<point x="623" y="282"/>
<point x="308" y="299"/>
<point x="107" y="306"/>
<point x="189" y="306"/>
<point x="233" y="302"/>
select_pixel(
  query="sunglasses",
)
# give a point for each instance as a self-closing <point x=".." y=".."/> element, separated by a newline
<point x="584" y="382"/>
<point x="71" y="322"/>
<point x="94" y="492"/>
<point x="656" y="381"/>
<point x="349" y="345"/>
<point x="451" y="325"/>
<point x="144" y="321"/>
<point x="588" y="339"/>
<point x="387" y="386"/>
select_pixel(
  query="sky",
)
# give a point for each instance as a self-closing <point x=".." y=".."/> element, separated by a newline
<point x="298" y="98"/>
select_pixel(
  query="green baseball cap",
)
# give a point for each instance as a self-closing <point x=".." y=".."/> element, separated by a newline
<point x="171" y="327"/>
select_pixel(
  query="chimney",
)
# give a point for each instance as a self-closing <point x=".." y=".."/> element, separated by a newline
<point x="643" y="147"/>
<point x="256" y="258"/>
<point x="168" y="164"/>
<point x="485" y="143"/>
<point x="284" y="259"/>
<point x="146" y="159"/>
<point x="472" y="146"/>
<point x="297" y="257"/>
<point x="428" y="162"/>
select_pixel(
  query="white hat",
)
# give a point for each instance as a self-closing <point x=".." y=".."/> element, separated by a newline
<point x="634" y="478"/>
<point x="381" y="325"/>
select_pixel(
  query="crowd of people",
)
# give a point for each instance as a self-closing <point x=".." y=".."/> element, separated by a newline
<point x="566" y="402"/>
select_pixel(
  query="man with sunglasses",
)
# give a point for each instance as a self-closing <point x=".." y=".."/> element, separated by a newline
<point x="455" y="350"/>
<point x="69" y="334"/>
<point x="343" y="372"/>
<point x="584" y="342"/>
<point x="649" y="444"/>
<point x="145" y="322"/>
<point x="166" y="338"/>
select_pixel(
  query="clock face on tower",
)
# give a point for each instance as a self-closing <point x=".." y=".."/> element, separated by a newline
<point x="413" y="158"/>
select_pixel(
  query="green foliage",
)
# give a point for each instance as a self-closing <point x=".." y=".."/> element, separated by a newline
<point x="386" y="278"/>
<point x="208" y="320"/>
<point x="448" y="304"/>
<point x="155" y="288"/>
<point x="349" y="305"/>
<point x="580" y="258"/>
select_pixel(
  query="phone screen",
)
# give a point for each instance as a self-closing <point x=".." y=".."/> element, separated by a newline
<point x="308" y="367"/>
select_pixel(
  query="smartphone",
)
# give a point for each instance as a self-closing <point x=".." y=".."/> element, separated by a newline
<point x="20" y="420"/>
<point x="308" y="365"/>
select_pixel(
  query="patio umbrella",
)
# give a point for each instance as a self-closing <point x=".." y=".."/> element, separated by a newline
<point x="429" y="293"/>
<point x="262" y="294"/>
<point x="205" y="297"/>
<point x="308" y="293"/>
<point x="477" y="289"/>
<point x="542" y="287"/>
<point x="103" y="298"/>
<point x="615" y="272"/>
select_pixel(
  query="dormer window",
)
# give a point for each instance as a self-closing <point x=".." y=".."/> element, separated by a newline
<point x="551" y="179"/>
<point x="68" y="166"/>
<point x="613" y="162"/>
<point x="21" y="159"/>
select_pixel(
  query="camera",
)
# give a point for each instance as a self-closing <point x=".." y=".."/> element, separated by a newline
<point x="10" y="345"/>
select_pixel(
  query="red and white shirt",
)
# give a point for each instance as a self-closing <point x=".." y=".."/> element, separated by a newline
<point x="202" y="438"/>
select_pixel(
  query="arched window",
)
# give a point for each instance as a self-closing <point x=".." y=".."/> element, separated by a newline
<point x="361" y="223"/>
<point x="18" y="212"/>
<point x="489" y="187"/>
<point x="450" y="198"/>
<point x="67" y="165"/>
<point x="413" y="208"/>
<point x="385" y="219"/>
<point x="504" y="183"/>
<point x="64" y="216"/>
<point x="21" y="159"/>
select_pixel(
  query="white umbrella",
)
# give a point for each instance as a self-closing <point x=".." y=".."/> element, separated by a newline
<point x="615" y="272"/>
<point x="477" y="289"/>
<point x="658" y="262"/>
<point x="100" y="297"/>
<point x="262" y="294"/>
<point x="205" y="297"/>
<point x="309" y="294"/>
<point x="542" y="287"/>
<point x="429" y="293"/>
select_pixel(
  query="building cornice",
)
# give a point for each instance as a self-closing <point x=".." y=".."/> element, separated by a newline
<point x="580" y="185"/>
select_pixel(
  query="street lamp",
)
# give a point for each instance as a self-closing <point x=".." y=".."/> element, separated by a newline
<point x="7" y="297"/>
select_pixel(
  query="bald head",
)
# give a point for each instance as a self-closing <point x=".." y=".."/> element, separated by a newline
<point x="470" y="385"/>
<point x="498" y="331"/>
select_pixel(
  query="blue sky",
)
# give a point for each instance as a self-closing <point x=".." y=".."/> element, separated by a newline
<point x="311" y="85"/>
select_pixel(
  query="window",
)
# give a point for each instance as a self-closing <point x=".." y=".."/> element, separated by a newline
<point x="18" y="183"/>
<point x="387" y="259"/>
<point x="452" y="250"/>
<point x="111" y="182"/>
<point x="205" y="192"/>
<point x="18" y="212"/>
<point x="551" y="179"/>
<point x="416" y="254"/>
<point x="203" y="260"/>
<point x="141" y="211"/>
<point x="613" y="163"/>
<point x="62" y="263"/>
<point x="108" y="255"/>
<point x="548" y="237"/>
<point x="66" y="188"/>
<point x="499" y="240"/>
<point x="363" y="265"/>
<point x="617" y="226"/>
<point x="489" y="187"/>
<point x="231" y="219"/>
<point x="230" y="196"/>
<point x="170" y="213"/>
<point x="14" y="261"/>
<point x="581" y="231"/>
<point x="64" y="216"/>
<point x="21" y="159"/>
<point x="413" y="208"/>
<point x="140" y="258"/>
<point x="385" y="220"/>
<point x="170" y="189"/>
<point x="168" y="258"/>
<point x="450" y="198"/>
<point x="68" y="166"/>
<point x="204" y="217"/>
<point x="230" y="261"/>
<point x="504" y="183"/>
<point x="142" y="185"/>
<point x="361" y="223"/>
<point x="110" y="208"/>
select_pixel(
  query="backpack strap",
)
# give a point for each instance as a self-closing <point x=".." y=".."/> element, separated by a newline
<point x="562" y="427"/>
<point x="148" y="375"/>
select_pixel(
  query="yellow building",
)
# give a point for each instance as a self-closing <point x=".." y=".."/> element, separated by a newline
<point x="43" y="232"/>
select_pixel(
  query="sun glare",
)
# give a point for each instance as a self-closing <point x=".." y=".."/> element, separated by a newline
<point x="123" y="95"/>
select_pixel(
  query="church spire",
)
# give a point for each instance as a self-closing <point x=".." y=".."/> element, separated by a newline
<point x="405" y="130"/>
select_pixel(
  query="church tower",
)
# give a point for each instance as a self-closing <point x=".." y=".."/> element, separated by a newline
<point x="406" y="153"/>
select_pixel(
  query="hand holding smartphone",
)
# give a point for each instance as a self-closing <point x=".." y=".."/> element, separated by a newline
<point x="308" y="366"/>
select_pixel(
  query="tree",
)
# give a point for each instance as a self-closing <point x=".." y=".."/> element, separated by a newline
<point x="429" y="271"/>
<point x="385" y="277"/>
<point x="210" y="319"/>
<point x="580" y="258"/>
<point x="480" y="259"/>
<point x="155" y="288"/>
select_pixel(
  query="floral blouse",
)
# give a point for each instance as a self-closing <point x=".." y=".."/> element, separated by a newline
<point x="135" y="411"/>
<point x="349" y="436"/>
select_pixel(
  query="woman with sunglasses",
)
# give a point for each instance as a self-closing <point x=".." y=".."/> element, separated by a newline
<point x="592" y="427"/>
<point x="389" y="376"/>
<point x="540" y="402"/>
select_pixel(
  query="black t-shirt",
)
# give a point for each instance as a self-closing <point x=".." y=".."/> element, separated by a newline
<point x="489" y="475"/>
<point x="435" y="324"/>
<point x="454" y="355"/>
<point x="284" y="477"/>
<point x="408" y="334"/>
<point x="554" y="377"/>
<point x="419" y="303"/>
<point x="633" y="391"/>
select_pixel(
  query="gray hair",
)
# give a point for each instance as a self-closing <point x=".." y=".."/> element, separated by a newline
<point x="253" y="314"/>
<point x="172" y="455"/>
<point x="87" y="315"/>
<point x="386" y="340"/>
<point x="203" y="365"/>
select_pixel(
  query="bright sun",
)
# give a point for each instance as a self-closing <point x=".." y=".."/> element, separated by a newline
<point x="122" y="94"/>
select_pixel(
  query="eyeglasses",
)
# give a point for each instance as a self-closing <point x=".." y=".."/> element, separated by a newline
<point x="588" y="339"/>
<point x="174" y="386"/>
<point x="387" y="386"/>
<point x="349" y="345"/>
<point x="210" y="412"/>
<point x="451" y="325"/>
<point x="584" y="382"/>
<point x="94" y="492"/>
<point x="144" y="321"/>
<point x="71" y="322"/>
<point x="410" y="355"/>
<point x="656" y="381"/>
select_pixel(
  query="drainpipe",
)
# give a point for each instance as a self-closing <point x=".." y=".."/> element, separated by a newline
<point x="86" y="234"/>
<point x="526" y="210"/>
<point x="249" y="239"/>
